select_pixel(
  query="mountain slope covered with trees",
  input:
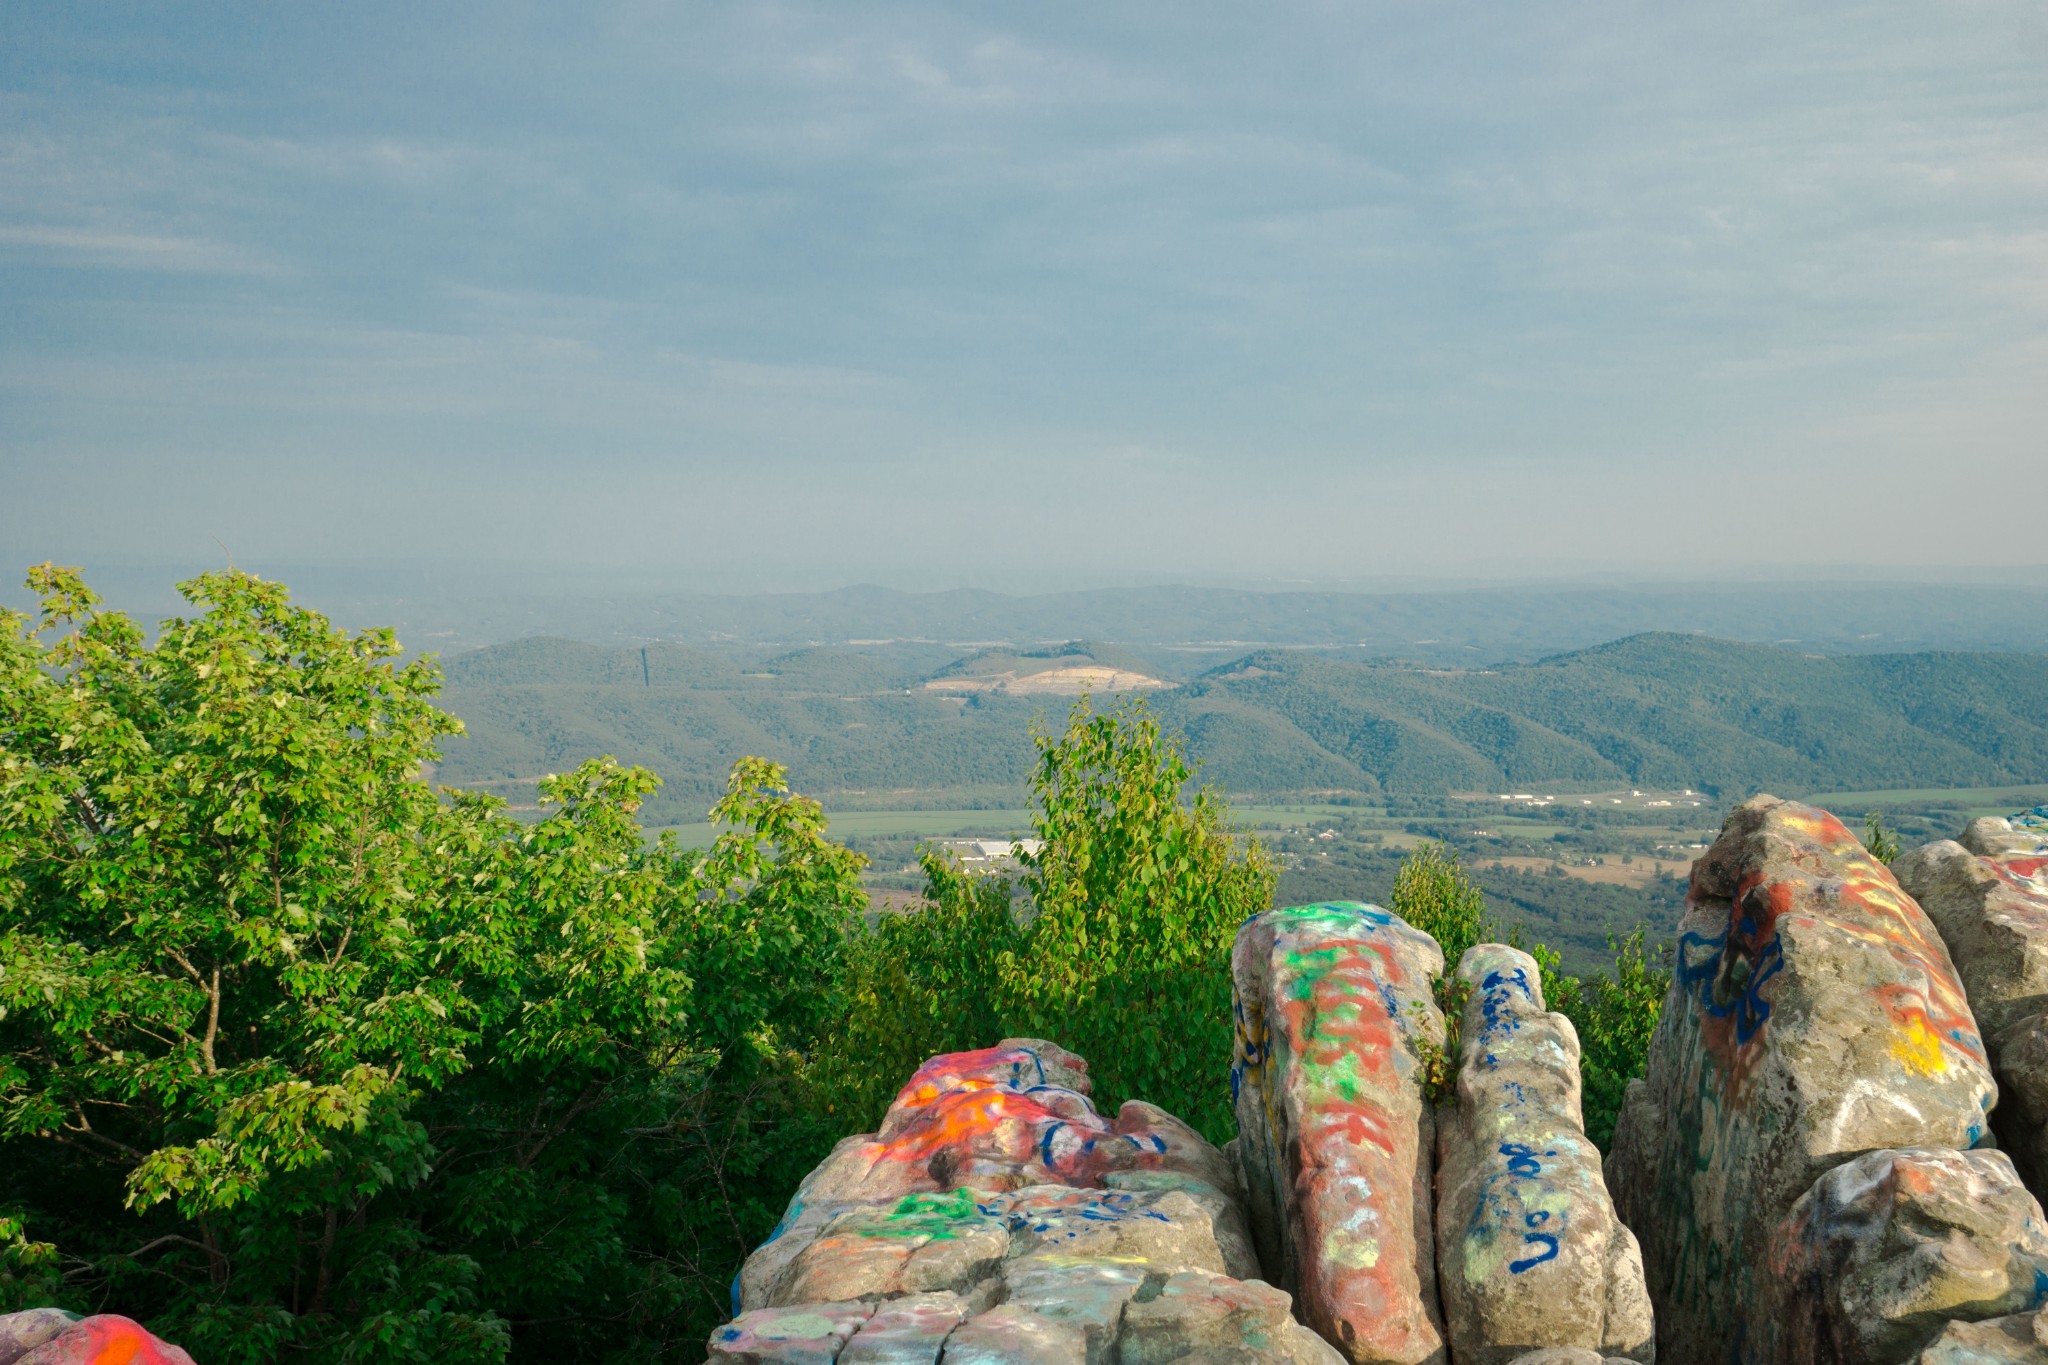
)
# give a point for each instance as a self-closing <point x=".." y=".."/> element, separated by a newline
<point x="1657" y="710"/>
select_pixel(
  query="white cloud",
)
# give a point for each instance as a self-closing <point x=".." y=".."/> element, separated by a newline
<point x="132" y="251"/>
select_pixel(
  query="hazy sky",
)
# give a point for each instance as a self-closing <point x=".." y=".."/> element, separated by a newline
<point x="931" y="293"/>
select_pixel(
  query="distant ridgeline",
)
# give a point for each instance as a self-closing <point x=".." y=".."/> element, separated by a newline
<point x="1652" y="710"/>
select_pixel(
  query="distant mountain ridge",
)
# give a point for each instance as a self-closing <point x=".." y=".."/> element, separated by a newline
<point x="1656" y="709"/>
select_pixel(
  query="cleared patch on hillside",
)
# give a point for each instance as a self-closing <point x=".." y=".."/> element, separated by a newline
<point x="1068" y="681"/>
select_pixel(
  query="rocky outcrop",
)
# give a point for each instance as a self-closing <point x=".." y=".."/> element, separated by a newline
<point x="1988" y="895"/>
<point x="1887" y="1249"/>
<point x="51" y="1336"/>
<point x="1814" y="1016"/>
<point x="2024" y="835"/>
<point x="998" y="1217"/>
<point x="1529" y="1251"/>
<point x="1333" y="1004"/>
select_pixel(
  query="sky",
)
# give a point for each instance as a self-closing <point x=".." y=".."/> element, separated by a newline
<point x="931" y="295"/>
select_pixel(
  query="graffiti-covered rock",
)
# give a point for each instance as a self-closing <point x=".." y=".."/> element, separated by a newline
<point x="51" y="1336"/>
<point x="1988" y="895"/>
<point x="911" y="1330"/>
<point x="2024" y="835"/>
<point x="1333" y="1003"/>
<point x="1196" y="1316"/>
<point x="997" y="1216"/>
<point x="800" y="1334"/>
<point x="1529" y="1251"/>
<point x="1992" y="911"/>
<point x="1886" y="1249"/>
<point x="1813" y="1016"/>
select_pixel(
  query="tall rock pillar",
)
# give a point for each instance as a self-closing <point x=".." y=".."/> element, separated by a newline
<point x="1334" y="1137"/>
<point x="1529" y="1252"/>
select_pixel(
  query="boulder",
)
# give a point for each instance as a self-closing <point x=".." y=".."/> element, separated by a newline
<point x="803" y="1334"/>
<point x="2020" y="1053"/>
<point x="51" y="1336"/>
<point x="1193" y="1314"/>
<point x="2024" y="835"/>
<point x="1886" y="1249"/>
<point x="1994" y="921"/>
<point x="997" y="1216"/>
<point x="1813" y="1016"/>
<point x="1333" y="1007"/>
<point x="21" y="1333"/>
<point x="1988" y="895"/>
<point x="2021" y="1339"/>
<point x="1529" y="1251"/>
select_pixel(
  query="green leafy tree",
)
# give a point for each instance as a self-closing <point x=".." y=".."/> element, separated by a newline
<point x="1115" y="942"/>
<point x="1433" y="892"/>
<point x="920" y="982"/>
<point x="1616" y="1016"/>
<point x="1137" y="890"/>
<point x="216" y="862"/>
<point x="299" y="1057"/>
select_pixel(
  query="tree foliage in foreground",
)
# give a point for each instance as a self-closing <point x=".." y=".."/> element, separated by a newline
<point x="1115" y="942"/>
<point x="297" y="1056"/>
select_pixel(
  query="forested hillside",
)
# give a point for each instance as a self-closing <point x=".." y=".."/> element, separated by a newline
<point x="1652" y="710"/>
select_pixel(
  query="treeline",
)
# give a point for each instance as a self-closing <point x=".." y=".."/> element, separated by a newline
<point x="303" y="1058"/>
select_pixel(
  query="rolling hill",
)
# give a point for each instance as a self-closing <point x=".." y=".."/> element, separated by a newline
<point x="1650" y="710"/>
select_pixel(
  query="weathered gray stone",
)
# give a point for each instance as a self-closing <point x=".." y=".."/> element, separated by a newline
<point x="1813" y="1015"/>
<point x="921" y="1243"/>
<point x="1081" y="1292"/>
<point x="2019" y="836"/>
<point x="1994" y="925"/>
<point x="906" y="1331"/>
<point x="22" y="1332"/>
<point x="1012" y="1334"/>
<point x="1333" y="1133"/>
<point x="2021" y="1119"/>
<point x="2021" y="1339"/>
<point x="805" y="1334"/>
<point x="1226" y="1215"/>
<point x="1529" y="1251"/>
<point x="1213" y="1317"/>
<point x="1885" y="1249"/>
<point x="1989" y="898"/>
<point x="1562" y="1355"/>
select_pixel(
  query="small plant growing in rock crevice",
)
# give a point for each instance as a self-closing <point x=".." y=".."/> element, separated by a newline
<point x="1435" y="894"/>
<point x="1440" y="1060"/>
<point x="1879" y="842"/>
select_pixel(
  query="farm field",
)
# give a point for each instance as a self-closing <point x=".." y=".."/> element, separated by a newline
<point x="1638" y="873"/>
<point x="1977" y="800"/>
